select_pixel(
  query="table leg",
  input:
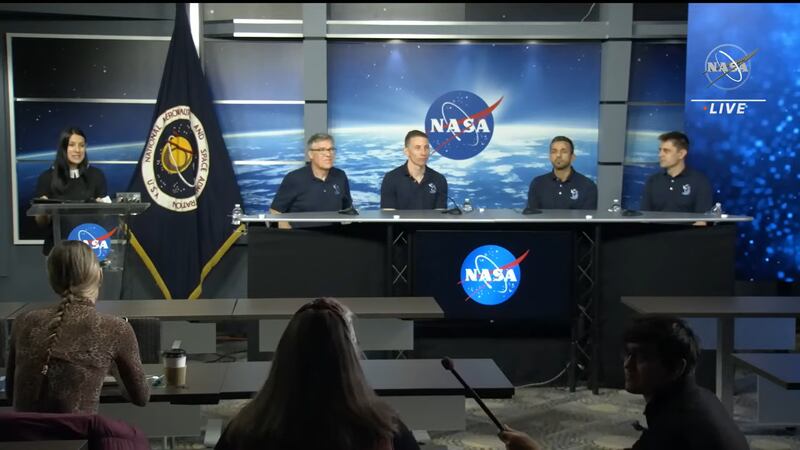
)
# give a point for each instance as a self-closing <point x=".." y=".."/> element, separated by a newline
<point x="725" y="368"/>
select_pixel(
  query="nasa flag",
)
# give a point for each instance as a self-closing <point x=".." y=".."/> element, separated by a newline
<point x="187" y="175"/>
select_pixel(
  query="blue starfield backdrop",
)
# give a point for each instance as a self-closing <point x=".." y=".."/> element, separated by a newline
<point x="751" y="158"/>
<point x="377" y="92"/>
<point x="655" y="106"/>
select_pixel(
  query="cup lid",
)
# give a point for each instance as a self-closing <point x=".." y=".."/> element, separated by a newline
<point x="174" y="353"/>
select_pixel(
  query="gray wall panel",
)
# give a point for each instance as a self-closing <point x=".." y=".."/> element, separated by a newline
<point x="609" y="185"/>
<point x="315" y="119"/>
<point x="611" y="142"/>
<point x="315" y="76"/>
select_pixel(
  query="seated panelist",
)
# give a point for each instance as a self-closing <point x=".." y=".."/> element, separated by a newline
<point x="564" y="187"/>
<point x="414" y="185"/>
<point x="318" y="186"/>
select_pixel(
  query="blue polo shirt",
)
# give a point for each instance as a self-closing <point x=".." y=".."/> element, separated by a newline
<point x="301" y="191"/>
<point x="400" y="190"/>
<point x="549" y="192"/>
<point x="689" y="192"/>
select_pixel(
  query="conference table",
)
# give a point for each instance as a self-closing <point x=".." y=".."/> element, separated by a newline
<point x="49" y="445"/>
<point x="380" y="323"/>
<point x="271" y="250"/>
<point x="425" y="395"/>
<point x="782" y="369"/>
<point x="481" y="215"/>
<point x="725" y="310"/>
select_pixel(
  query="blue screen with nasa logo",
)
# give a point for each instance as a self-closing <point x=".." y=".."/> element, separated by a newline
<point x="494" y="275"/>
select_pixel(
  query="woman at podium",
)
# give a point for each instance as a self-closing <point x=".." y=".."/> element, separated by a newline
<point x="70" y="177"/>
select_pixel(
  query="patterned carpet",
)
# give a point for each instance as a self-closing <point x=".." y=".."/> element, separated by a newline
<point x="556" y="418"/>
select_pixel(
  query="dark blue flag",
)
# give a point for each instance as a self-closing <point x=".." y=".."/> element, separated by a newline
<point x="187" y="175"/>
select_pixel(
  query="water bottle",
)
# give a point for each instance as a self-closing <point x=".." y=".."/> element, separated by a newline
<point x="717" y="210"/>
<point x="236" y="215"/>
<point x="615" y="206"/>
<point x="467" y="205"/>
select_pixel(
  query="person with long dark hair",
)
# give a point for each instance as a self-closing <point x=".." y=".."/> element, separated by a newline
<point x="59" y="355"/>
<point x="316" y="396"/>
<point x="70" y="177"/>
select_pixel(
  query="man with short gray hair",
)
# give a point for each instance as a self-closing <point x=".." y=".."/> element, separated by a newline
<point x="318" y="186"/>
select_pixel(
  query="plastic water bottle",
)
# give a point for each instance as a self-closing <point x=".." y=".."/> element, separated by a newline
<point x="615" y="206"/>
<point x="467" y="205"/>
<point x="717" y="210"/>
<point x="236" y="214"/>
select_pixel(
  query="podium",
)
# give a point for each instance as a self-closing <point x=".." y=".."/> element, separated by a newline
<point x="102" y="226"/>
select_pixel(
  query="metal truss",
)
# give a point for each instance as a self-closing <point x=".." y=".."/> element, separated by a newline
<point x="584" y="346"/>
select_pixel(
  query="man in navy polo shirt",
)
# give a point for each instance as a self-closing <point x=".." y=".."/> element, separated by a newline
<point x="677" y="188"/>
<point x="316" y="187"/>
<point x="414" y="185"/>
<point x="564" y="187"/>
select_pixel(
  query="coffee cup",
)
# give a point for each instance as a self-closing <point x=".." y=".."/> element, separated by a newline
<point x="175" y="367"/>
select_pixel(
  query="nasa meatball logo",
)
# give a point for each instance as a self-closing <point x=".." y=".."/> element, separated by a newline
<point x="175" y="163"/>
<point x="432" y="188"/>
<point x="460" y="124"/>
<point x="95" y="236"/>
<point x="728" y="66"/>
<point x="490" y="274"/>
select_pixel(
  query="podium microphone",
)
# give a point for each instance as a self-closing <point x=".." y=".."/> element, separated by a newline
<point x="448" y="364"/>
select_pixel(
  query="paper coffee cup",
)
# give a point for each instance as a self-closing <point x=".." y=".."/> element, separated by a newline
<point x="175" y="367"/>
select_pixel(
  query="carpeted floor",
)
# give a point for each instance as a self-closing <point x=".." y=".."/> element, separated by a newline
<point x="556" y="418"/>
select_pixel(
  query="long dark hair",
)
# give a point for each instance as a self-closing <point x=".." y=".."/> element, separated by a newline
<point x="58" y="183"/>
<point x="316" y="396"/>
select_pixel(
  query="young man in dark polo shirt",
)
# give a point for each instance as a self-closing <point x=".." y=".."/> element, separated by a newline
<point x="564" y="187"/>
<point x="678" y="188"/>
<point x="659" y="358"/>
<point x="318" y="186"/>
<point x="414" y="185"/>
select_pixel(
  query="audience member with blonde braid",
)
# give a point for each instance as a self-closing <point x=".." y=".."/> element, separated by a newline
<point x="59" y="355"/>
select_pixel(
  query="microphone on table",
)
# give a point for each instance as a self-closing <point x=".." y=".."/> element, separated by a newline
<point x="349" y="211"/>
<point x="528" y="211"/>
<point x="448" y="364"/>
<point x="456" y="211"/>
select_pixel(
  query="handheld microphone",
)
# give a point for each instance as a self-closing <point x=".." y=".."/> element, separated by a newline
<point x="454" y="211"/>
<point x="448" y="364"/>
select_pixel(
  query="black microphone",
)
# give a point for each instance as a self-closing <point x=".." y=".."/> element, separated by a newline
<point x="448" y="364"/>
<point x="454" y="211"/>
<point x="349" y="211"/>
<point x="528" y="211"/>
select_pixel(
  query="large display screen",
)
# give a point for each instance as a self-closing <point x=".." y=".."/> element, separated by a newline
<point x="741" y="115"/>
<point x="509" y="276"/>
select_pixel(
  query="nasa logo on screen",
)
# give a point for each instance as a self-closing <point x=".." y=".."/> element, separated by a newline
<point x="175" y="163"/>
<point x="490" y="274"/>
<point x="728" y="66"/>
<point x="460" y="124"/>
<point x="95" y="236"/>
